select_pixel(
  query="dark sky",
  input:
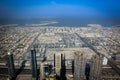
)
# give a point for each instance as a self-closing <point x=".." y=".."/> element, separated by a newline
<point x="59" y="8"/>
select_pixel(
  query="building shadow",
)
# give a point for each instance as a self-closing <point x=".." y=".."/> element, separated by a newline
<point x="87" y="71"/>
<point x="21" y="68"/>
<point x="63" y="68"/>
<point x="72" y="66"/>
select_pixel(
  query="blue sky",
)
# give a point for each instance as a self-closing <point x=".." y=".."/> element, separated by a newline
<point x="59" y="8"/>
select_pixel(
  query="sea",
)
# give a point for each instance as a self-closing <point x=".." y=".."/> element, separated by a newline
<point x="62" y="22"/>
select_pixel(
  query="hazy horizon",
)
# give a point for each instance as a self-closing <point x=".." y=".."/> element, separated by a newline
<point x="105" y="12"/>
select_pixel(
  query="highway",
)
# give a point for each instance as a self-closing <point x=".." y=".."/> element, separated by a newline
<point x="25" y="55"/>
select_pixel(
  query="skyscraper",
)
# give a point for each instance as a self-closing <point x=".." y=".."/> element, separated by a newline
<point x="87" y="65"/>
<point x="96" y="67"/>
<point x="11" y="68"/>
<point x="42" y="74"/>
<point x="79" y="66"/>
<point x="57" y="64"/>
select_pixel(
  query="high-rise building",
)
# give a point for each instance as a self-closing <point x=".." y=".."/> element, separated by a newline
<point x="87" y="65"/>
<point x="11" y="68"/>
<point x="44" y="71"/>
<point x="96" y="67"/>
<point x="58" y="64"/>
<point x="42" y="75"/>
<point x="79" y="66"/>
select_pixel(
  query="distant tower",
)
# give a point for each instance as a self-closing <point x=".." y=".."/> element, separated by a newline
<point x="33" y="63"/>
<point x="11" y="68"/>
